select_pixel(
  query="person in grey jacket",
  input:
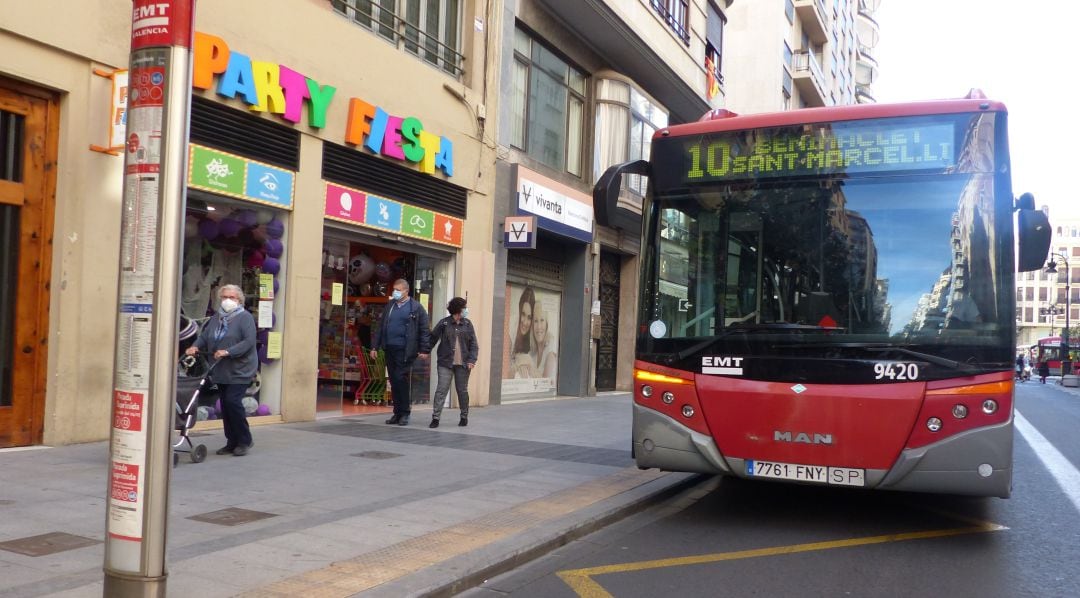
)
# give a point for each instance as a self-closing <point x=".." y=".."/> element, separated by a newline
<point x="456" y="339"/>
<point x="404" y="334"/>
<point x="229" y="336"/>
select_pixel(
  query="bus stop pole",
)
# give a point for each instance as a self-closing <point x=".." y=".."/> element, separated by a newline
<point x="144" y="374"/>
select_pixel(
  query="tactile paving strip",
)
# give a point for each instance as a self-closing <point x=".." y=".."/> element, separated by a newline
<point x="371" y="569"/>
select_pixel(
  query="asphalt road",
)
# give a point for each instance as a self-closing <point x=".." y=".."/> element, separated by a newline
<point x="730" y="537"/>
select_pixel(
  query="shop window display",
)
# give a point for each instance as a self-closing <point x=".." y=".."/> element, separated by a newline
<point x="356" y="284"/>
<point x="228" y="242"/>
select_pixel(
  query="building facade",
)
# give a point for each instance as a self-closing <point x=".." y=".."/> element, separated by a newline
<point x="587" y="84"/>
<point x="800" y="53"/>
<point x="326" y="160"/>
<point x="1043" y="298"/>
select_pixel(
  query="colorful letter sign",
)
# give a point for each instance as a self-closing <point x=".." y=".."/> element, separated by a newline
<point x="357" y="207"/>
<point x="275" y="88"/>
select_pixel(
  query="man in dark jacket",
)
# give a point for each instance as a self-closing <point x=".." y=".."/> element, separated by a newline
<point x="403" y="334"/>
<point x="457" y="355"/>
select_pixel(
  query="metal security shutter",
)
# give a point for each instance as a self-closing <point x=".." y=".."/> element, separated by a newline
<point x="231" y="130"/>
<point x="392" y="181"/>
<point x="529" y="268"/>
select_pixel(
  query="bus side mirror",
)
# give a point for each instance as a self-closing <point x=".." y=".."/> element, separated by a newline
<point x="1033" y="234"/>
<point x="606" y="192"/>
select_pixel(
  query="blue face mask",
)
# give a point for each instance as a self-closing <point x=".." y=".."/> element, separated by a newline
<point x="397" y="295"/>
<point x="465" y="312"/>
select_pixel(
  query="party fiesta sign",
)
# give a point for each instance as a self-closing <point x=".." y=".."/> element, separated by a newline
<point x="275" y="88"/>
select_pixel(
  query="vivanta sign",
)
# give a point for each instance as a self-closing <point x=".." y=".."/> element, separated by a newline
<point x="275" y="88"/>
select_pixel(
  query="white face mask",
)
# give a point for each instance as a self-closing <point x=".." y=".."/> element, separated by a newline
<point x="227" y="305"/>
<point x="465" y="312"/>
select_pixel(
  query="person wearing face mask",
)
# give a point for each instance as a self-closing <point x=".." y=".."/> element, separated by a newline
<point x="456" y="339"/>
<point x="229" y="336"/>
<point x="403" y="334"/>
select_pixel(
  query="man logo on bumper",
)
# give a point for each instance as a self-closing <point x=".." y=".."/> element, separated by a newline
<point x="721" y="366"/>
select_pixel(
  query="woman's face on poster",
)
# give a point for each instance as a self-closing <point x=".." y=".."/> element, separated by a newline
<point x="540" y="326"/>
<point x="525" y="319"/>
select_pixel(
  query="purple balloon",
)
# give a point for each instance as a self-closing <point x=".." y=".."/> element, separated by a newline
<point x="263" y="410"/>
<point x="229" y="227"/>
<point x="208" y="229"/>
<point x="271" y="266"/>
<point x="247" y="218"/>
<point x="262" y="335"/>
<point x="277" y="286"/>
<point x="275" y="228"/>
<point x="263" y="358"/>
<point x="273" y="247"/>
<point x="217" y="406"/>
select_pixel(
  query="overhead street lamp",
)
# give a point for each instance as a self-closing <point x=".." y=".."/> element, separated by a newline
<point x="1051" y="268"/>
<point x="1051" y="313"/>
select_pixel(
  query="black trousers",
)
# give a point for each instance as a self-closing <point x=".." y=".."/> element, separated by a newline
<point x="399" y="366"/>
<point x="233" y="417"/>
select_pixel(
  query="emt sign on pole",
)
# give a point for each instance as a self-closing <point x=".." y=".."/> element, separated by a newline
<point x="155" y="158"/>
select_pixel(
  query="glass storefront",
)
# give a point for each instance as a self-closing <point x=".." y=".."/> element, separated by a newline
<point x="357" y="277"/>
<point x="236" y="242"/>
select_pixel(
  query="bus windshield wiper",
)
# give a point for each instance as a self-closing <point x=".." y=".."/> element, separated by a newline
<point x="745" y="328"/>
<point x="927" y="357"/>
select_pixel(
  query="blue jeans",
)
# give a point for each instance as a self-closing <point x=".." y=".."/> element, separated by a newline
<point x="233" y="417"/>
<point x="399" y="366"/>
<point x="460" y="374"/>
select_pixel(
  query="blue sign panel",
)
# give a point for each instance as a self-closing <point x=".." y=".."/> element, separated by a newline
<point x="273" y="185"/>
<point x="383" y="213"/>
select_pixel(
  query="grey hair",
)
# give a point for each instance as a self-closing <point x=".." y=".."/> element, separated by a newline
<point x="404" y="282"/>
<point x="231" y="287"/>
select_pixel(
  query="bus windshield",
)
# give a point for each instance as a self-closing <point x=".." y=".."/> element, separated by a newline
<point x="857" y="258"/>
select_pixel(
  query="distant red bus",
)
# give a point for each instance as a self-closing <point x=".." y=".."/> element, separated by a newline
<point x="1049" y="349"/>
<point x="827" y="296"/>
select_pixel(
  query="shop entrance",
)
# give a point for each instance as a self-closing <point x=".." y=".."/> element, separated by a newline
<point x="27" y="157"/>
<point x="357" y="278"/>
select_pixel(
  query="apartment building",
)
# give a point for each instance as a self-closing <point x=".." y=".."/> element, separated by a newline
<point x="586" y="86"/>
<point x="1044" y="298"/>
<point x="800" y="53"/>
<point x="298" y="190"/>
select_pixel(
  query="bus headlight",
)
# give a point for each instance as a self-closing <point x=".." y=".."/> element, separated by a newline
<point x="667" y="397"/>
<point x="646" y="391"/>
<point x="989" y="406"/>
<point x="687" y="411"/>
<point x="959" y="411"/>
<point x="933" y="424"/>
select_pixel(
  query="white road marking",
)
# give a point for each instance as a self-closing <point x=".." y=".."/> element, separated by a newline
<point x="1065" y="473"/>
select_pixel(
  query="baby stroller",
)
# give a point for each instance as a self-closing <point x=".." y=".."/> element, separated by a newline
<point x="188" y="389"/>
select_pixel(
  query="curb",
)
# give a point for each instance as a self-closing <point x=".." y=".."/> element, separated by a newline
<point x="641" y="498"/>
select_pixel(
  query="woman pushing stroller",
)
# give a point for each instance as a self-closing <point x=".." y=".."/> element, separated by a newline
<point x="230" y="337"/>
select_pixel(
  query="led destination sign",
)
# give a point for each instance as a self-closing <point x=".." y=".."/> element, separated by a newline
<point x="831" y="148"/>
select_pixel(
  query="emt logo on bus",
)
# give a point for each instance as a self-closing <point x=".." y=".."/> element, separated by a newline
<point x="844" y="147"/>
<point x="721" y="365"/>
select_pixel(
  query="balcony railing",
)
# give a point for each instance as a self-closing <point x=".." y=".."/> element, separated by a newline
<point x="808" y="77"/>
<point x="814" y="19"/>
<point x="386" y="23"/>
<point x="673" y="21"/>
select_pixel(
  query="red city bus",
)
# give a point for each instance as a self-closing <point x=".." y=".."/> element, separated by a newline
<point x="1049" y="350"/>
<point x="827" y="296"/>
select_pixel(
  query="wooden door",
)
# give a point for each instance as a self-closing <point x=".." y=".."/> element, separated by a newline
<point x="28" y="137"/>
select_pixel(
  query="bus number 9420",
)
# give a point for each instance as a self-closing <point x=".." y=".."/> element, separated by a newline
<point x="896" y="371"/>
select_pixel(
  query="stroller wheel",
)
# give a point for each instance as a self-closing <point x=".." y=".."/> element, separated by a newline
<point x="198" y="454"/>
<point x="175" y="459"/>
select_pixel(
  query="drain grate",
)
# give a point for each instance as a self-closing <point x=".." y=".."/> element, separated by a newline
<point x="46" y="544"/>
<point x="377" y="455"/>
<point x="231" y="516"/>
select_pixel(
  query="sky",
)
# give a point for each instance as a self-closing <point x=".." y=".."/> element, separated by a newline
<point x="1020" y="53"/>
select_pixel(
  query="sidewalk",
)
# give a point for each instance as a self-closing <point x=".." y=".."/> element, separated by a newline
<point x="342" y="506"/>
